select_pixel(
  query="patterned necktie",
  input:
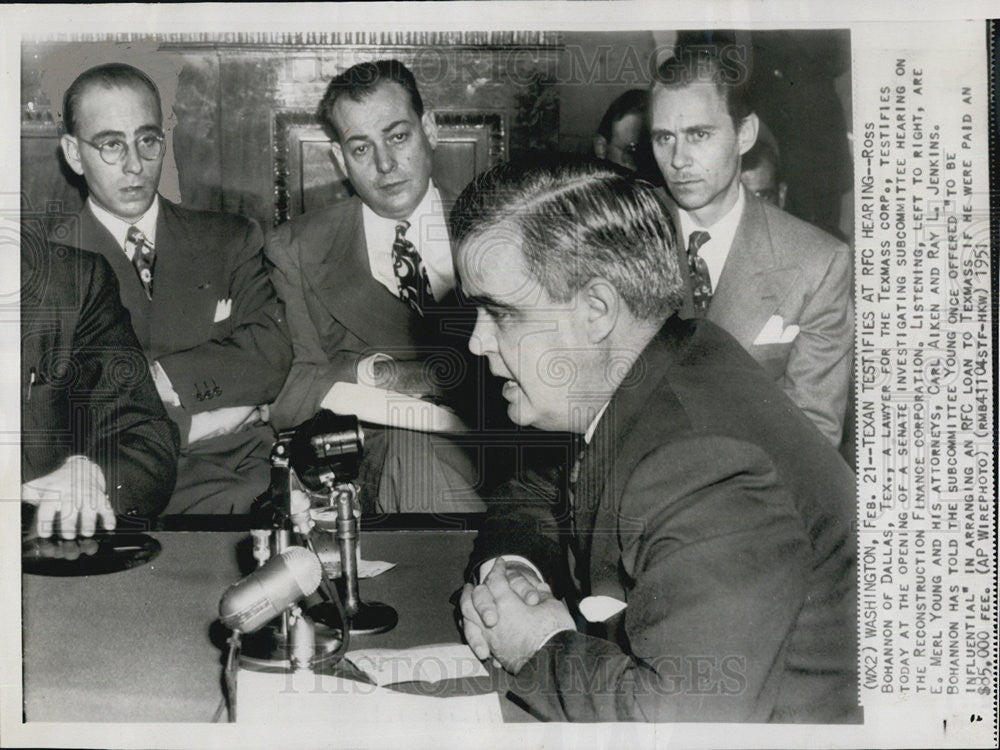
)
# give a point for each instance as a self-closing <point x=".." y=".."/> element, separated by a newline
<point x="414" y="286"/>
<point x="701" y="282"/>
<point x="143" y="258"/>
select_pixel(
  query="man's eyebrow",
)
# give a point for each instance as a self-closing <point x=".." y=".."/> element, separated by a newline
<point x="686" y="129"/>
<point x="107" y="134"/>
<point x="484" y="301"/>
<point x="395" y="124"/>
<point x="119" y="134"/>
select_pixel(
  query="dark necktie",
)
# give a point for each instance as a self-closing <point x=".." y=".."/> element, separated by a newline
<point x="578" y="447"/>
<point x="571" y="544"/>
<point x="414" y="286"/>
<point x="701" y="282"/>
<point x="143" y="258"/>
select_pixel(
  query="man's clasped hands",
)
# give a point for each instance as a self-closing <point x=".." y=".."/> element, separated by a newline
<point x="511" y="614"/>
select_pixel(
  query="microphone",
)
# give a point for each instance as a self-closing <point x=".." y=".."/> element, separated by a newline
<point x="254" y="601"/>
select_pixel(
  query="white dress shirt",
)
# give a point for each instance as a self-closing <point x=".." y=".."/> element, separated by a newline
<point x="721" y="235"/>
<point x="429" y="234"/>
<point x="592" y="428"/>
<point x="119" y="227"/>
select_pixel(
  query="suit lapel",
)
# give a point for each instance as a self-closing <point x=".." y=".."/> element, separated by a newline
<point x="175" y="271"/>
<point x="342" y="281"/>
<point x="95" y="237"/>
<point x="598" y="459"/>
<point x="687" y="306"/>
<point x="754" y="279"/>
<point x="606" y="465"/>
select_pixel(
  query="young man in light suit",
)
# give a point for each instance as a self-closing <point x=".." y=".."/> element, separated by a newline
<point x="369" y="283"/>
<point x="782" y="287"/>
<point x="195" y="284"/>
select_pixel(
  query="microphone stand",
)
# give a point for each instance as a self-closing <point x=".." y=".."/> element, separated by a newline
<point x="281" y="646"/>
<point x="365" y="618"/>
<point x="324" y="451"/>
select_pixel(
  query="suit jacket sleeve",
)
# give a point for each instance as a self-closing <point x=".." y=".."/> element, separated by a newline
<point x="523" y="519"/>
<point x="718" y="559"/>
<point x="250" y="364"/>
<point x="820" y="363"/>
<point x="313" y="371"/>
<point x="130" y="436"/>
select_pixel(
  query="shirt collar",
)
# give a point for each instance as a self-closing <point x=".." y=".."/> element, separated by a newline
<point x="426" y="207"/>
<point x="119" y="227"/>
<point x="428" y="233"/>
<point x="723" y="230"/>
<point x="589" y="434"/>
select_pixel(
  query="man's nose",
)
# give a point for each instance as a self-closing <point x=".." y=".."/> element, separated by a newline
<point x="680" y="157"/>
<point x="385" y="161"/>
<point x="131" y="162"/>
<point x="481" y="340"/>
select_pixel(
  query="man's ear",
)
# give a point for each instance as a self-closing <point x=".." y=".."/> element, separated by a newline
<point x="746" y="135"/>
<point x="430" y="128"/>
<point x="71" y="150"/>
<point x="600" y="147"/>
<point x="602" y="306"/>
<point x="338" y="156"/>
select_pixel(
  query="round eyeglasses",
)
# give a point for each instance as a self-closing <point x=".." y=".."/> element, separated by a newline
<point x="149" y="147"/>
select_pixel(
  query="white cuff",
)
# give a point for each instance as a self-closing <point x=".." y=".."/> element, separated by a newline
<point x="364" y="371"/>
<point x="547" y="638"/>
<point x="486" y="567"/>
<point x="163" y="385"/>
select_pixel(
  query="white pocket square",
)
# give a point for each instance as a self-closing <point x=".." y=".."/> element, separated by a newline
<point x="601" y="608"/>
<point x="774" y="332"/>
<point x="222" y="310"/>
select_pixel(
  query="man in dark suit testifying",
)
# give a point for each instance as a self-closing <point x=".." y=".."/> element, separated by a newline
<point x="367" y="283"/>
<point x="200" y="299"/>
<point x="701" y="564"/>
<point x="780" y="286"/>
<point x="95" y="440"/>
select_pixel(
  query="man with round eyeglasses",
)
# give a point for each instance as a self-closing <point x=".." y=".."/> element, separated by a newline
<point x="194" y="283"/>
<point x="148" y="146"/>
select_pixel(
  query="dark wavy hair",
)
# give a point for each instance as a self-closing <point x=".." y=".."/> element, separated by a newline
<point x="578" y="219"/>
<point x="360" y="81"/>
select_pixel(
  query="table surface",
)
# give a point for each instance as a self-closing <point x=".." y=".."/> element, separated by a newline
<point x="138" y="645"/>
